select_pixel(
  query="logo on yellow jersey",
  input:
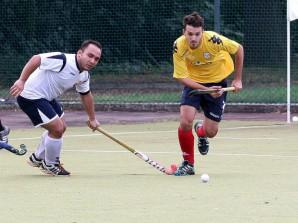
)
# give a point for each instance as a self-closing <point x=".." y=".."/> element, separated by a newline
<point x="206" y="55"/>
<point x="196" y="63"/>
<point x="215" y="39"/>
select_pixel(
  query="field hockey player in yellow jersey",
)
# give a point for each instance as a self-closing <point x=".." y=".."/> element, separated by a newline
<point x="202" y="61"/>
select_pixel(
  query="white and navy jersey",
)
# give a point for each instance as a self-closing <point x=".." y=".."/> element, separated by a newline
<point x="57" y="73"/>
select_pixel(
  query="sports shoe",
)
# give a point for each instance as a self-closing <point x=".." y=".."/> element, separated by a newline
<point x="54" y="169"/>
<point x="203" y="144"/>
<point x="34" y="161"/>
<point x="185" y="169"/>
<point x="4" y="134"/>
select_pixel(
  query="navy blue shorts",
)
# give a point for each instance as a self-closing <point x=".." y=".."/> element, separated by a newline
<point x="40" y="111"/>
<point x="212" y="107"/>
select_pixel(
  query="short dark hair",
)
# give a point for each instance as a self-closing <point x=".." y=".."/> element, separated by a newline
<point x="86" y="43"/>
<point x="194" y="19"/>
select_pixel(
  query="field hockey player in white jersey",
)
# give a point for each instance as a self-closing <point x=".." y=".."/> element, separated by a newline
<point x="44" y="78"/>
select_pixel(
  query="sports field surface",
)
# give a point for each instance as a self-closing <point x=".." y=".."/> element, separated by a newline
<point x="252" y="167"/>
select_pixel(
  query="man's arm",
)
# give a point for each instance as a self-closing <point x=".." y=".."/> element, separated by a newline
<point x="194" y="85"/>
<point x="239" y="58"/>
<point x="29" y="68"/>
<point x="190" y="83"/>
<point x="88" y="103"/>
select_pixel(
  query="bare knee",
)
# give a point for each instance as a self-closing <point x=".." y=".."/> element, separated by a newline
<point x="57" y="132"/>
<point x="212" y="132"/>
<point x="186" y="124"/>
<point x="187" y="115"/>
<point x="56" y="129"/>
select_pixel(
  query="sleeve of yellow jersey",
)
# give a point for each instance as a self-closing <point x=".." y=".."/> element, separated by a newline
<point x="229" y="45"/>
<point x="180" y="69"/>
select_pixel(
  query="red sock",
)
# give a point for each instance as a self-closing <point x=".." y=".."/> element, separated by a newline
<point x="201" y="131"/>
<point x="186" y="141"/>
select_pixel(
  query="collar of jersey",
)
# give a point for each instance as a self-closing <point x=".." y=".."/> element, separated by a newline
<point x="77" y="64"/>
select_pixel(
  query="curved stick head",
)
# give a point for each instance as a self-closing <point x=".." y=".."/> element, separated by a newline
<point x="22" y="150"/>
<point x="169" y="171"/>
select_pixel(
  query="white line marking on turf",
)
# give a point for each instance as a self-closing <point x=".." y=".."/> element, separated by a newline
<point x="158" y="152"/>
<point x="246" y="138"/>
<point x="254" y="155"/>
<point x="153" y="132"/>
<point x="256" y="127"/>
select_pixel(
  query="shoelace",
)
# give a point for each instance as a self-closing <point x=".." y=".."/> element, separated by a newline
<point x="185" y="168"/>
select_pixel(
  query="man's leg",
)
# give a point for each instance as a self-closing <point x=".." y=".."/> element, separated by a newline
<point x="213" y="110"/>
<point x="210" y="127"/>
<point x="53" y="140"/>
<point x="206" y="129"/>
<point x="40" y="150"/>
<point x="53" y="144"/>
<point x="186" y="140"/>
<point x="48" y="115"/>
<point x="38" y="156"/>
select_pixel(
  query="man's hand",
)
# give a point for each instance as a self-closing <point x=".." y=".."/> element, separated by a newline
<point x="17" y="88"/>
<point x="218" y="93"/>
<point x="237" y="84"/>
<point x="93" y="124"/>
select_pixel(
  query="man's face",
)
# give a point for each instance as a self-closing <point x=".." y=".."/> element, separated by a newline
<point x="193" y="36"/>
<point x="89" y="57"/>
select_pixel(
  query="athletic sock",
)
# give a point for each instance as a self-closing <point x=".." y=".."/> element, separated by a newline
<point x="52" y="149"/>
<point x="40" y="150"/>
<point x="186" y="140"/>
<point x="201" y="132"/>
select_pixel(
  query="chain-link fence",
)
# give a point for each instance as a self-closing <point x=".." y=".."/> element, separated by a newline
<point x="137" y="38"/>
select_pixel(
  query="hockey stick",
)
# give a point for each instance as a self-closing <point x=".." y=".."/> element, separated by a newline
<point x="198" y="91"/>
<point x="21" y="151"/>
<point x="142" y="156"/>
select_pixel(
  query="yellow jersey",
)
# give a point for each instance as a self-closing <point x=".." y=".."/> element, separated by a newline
<point x="210" y="62"/>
